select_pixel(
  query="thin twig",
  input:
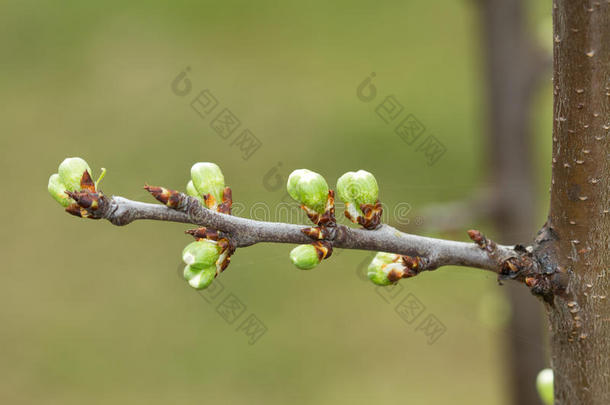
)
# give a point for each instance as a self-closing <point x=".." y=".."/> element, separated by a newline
<point x="246" y="232"/>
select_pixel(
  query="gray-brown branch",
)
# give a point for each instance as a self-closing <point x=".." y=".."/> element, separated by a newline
<point x="246" y="232"/>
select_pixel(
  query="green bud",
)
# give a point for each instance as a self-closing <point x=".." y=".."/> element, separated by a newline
<point x="305" y="257"/>
<point x="71" y="171"/>
<point x="199" y="278"/>
<point x="56" y="189"/>
<point x="201" y="253"/>
<point x="358" y="188"/>
<point x="308" y="188"/>
<point x="544" y="384"/>
<point x="208" y="179"/>
<point x="192" y="191"/>
<point x="380" y="266"/>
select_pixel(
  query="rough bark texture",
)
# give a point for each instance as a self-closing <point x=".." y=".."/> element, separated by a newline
<point x="579" y="218"/>
<point x="514" y="69"/>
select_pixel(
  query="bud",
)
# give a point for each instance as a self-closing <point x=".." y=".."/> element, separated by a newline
<point x="192" y="191"/>
<point x="308" y="188"/>
<point x="208" y="179"/>
<point x="357" y="188"/>
<point x="57" y="190"/>
<point x="197" y="278"/>
<point x="544" y="385"/>
<point x="305" y="257"/>
<point x="382" y="264"/>
<point x="201" y="253"/>
<point x="71" y="171"/>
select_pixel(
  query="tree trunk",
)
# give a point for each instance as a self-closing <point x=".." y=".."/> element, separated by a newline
<point x="579" y="220"/>
<point x="514" y="69"/>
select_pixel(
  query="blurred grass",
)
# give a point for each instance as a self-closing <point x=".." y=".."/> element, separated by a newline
<point x="97" y="314"/>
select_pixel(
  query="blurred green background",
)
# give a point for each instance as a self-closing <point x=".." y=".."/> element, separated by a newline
<point x="99" y="314"/>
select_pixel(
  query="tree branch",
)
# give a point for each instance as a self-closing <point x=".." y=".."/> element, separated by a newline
<point x="244" y="232"/>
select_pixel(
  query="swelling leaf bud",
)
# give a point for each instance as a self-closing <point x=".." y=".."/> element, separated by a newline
<point x="71" y="171"/>
<point x="544" y="385"/>
<point x="381" y="266"/>
<point x="201" y="253"/>
<point x="357" y="188"/>
<point x="208" y="179"/>
<point x="57" y="190"/>
<point x="305" y="257"/>
<point x="308" y="188"/>
<point x="199" y="279"/>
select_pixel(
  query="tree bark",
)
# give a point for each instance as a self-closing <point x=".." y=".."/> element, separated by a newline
<point x="514" y="69"/>
<point x="579" y="220"/>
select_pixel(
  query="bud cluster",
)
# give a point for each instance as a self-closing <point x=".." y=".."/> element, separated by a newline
<point x="74" y="189"/>
<point x="211" y="253"/>
<point x="68" y="178"/>
<point x="311" y="190"/>
<point x="358" y="190"/>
